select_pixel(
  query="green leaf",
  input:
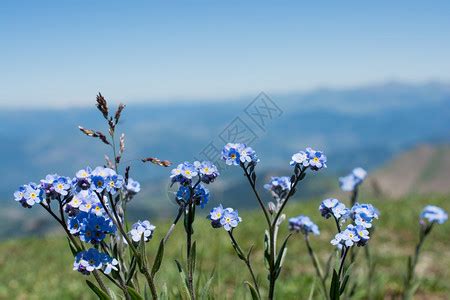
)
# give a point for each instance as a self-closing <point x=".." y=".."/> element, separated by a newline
<point x="158" y="258"/>
<point x="249" y="252"/>
<point x="334" y="288"/>
<point x="205" y="290"/>
<point x="182" y="276"/>
<point x="253" y="291"/>
<point x="132" y="270"/>
<point x="349" y="269"/>
<point x="281" y="255"/>
<point x="72" y="247"/>
<point x="101" y="294"/>
<point x="142" y="251"/>
<point x="344" y="283"/>
<point x="134" y="294"/>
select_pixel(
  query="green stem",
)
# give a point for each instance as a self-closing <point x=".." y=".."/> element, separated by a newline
<point x="246" y="259"/>
<point x="261" y="204"/>
<point x="189" y="216"/>
<point x="142" y="268"/>
<point x="316" y="264"/>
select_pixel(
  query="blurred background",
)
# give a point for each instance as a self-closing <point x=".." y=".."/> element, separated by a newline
<point x="366" y="83"/>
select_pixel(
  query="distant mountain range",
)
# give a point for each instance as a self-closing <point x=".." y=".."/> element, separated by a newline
<point x="366" y="126"/>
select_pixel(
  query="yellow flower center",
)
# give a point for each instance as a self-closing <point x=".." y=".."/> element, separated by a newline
<point x="33" y="195"/>
<point x="228" y="220"/>
<point x="316" y="159"/>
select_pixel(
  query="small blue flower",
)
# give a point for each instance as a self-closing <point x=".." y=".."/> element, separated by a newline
<point x="113" y="183"/>
<point x="62" y="185"/>
<point x="90" y="227"/>
<point x="363" y="235"/>
<point x="83" y="173"/>
<point x="316" y="159"/>
<point x="332" y="207"/>
<point x="103" y="172"/>
<point x="184" y="193"/>
<point x="19" y="196"/>
<point x="33" y="194"/>
<point x="235" y="154"/>
<point x="303" y="224"/>
<point x="142" y="229"/>
<point x="231" y="155"/>
<point x="133" y="187"/>
<point x="88" y="261"/>
<point x="350" y="182"/>
<point x="109" y="263"/>
<point x="364" y="213"/>
<point x="184" y="173"/>
<point x="201" y="195"/>
<point x="300" y="158"/>
<point x="215" y="215"/>
<point x="47" y="183"/>
<point x="98" y="183"/>
<point x="227" y="218"/>
<point x="279" y="186"/>
<point x="207" y="170"/>
<point x="230" y="219"/>
<point x="434" y="214"/>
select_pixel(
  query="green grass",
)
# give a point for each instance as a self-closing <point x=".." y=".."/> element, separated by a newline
<point x="41" y="268"/>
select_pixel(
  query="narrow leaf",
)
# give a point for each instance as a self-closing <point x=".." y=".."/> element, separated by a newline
<point x="334" y="289"/>
<point x="134" y="295"/>
<point x="253" y="291"/>
<point x="158" y="258"/>
<point x="72" y="247"/>
<point x="101" y="294"/>
<point x="344" y="283"/>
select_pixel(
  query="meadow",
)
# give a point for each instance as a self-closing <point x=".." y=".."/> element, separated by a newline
<point x="41" y="268"/>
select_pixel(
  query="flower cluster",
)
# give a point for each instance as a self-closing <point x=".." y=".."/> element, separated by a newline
<point x="235" y="154"/>
<point x="189" y="191"/>
<point x="361" y="215"/>
<point x="78" y="193"/>
<point x="278" y="186"/>
<point x="29" y="194"/>
<point x="354" y="179"/>
<point x="433" y="214"/>
<point x="141" y="230"/>
<point x="200" y="195"/>
<point x="303" y="224"/>
<point x="90" y="227"/>
<point x="352" y="235"/>
<point x="333" y="207"/>
<point x="185" y="172"/>
<point x="90" y="260"/>
<point x="311" y="158"/>
<point x="227" y="218"/>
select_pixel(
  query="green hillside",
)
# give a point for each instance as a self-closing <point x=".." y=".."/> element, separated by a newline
<point x="41" y="268"/>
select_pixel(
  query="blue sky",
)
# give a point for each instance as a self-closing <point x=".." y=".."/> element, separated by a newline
<point x="61" y="53"/>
